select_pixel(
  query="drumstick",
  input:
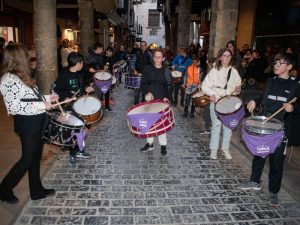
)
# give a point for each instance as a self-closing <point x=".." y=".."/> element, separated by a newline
<point x="87" y="93"/>
<point x="75" y="94"/>
<point x="63" y="102"/>
<point x="60" y="108"/>
<point x="278" y="111"/>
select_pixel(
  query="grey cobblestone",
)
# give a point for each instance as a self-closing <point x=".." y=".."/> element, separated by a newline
<point x="120" y="185"/>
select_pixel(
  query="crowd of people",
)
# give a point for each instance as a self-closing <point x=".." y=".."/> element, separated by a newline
<point x="230" y="73"/>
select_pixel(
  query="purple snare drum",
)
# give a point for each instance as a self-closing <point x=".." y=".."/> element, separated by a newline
<point x="132" y="82"/>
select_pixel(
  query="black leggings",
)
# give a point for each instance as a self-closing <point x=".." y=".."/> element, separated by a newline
<point x="32" y="148"/>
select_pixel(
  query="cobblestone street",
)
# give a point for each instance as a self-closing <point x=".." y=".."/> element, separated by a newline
<point x="121" y="185"/>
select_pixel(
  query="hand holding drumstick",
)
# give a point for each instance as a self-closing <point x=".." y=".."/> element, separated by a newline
<point x="287" y="106"/>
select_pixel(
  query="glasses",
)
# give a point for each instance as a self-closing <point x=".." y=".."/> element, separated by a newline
<point x="278" y="63"/>
<point x="226" y="56"/>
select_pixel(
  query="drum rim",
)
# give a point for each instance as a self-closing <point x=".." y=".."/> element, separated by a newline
<point x="67" y="125"/>
<point x="262" y="132"/>
<point x="147" y="103"/>
<point x="224" y="114"/>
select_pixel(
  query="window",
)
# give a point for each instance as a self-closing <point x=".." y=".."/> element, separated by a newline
<point x="153" y="19"/>
<point x="153" y="32"/>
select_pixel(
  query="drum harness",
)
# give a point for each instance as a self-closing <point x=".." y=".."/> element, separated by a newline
<point x="228" y="77"/>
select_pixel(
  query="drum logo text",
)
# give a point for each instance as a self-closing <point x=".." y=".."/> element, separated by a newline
<point x="263" y="149"/>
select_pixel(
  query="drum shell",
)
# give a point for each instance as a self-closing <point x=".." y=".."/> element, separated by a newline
<point x="163" y="125"/>
<point x="176" y="80"/>
<point x="61" y="134"/>
<point x="201" y="101"/>
<point x="93" y="118"/>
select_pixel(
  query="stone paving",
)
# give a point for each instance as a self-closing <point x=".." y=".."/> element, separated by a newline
<point x="121" y="185"/>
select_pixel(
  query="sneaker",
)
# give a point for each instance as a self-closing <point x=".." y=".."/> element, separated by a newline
<point x="163" y="150"/>
<point x="83" y="155"/>
<point x="147" y="148"/>
<point x="192" y="115"/>
<point x="184" y="115"/>
<point x="227" y="154"/>
<point x="250" y="185"/>
<point x="108" y="109"/>
<point x="72" y="161"/>
<point x="213" y="154"/>
<point x="273" y="199"/>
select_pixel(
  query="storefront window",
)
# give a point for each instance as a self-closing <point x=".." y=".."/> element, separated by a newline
<point x="10" y="34"/>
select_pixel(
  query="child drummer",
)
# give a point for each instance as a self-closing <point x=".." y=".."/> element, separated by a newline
<point x="68" y="83"/>
<point x="279" y="90"/>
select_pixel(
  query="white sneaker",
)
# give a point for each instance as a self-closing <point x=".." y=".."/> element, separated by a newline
<point x="213" y="154"/>
<point x="227" y="154"/>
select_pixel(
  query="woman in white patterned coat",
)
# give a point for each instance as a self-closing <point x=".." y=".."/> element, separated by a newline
<point x="24" y="101"/>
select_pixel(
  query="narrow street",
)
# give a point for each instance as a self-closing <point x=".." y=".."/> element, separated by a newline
<point x="121" y="185"/>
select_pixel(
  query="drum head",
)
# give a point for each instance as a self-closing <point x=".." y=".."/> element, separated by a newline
<point x="228" y="105"/>
<point x="102" y="76"/>
<point x="198" y="94"/>
<point x="191" y="89"/>
<point x="176" y="74"/>
<point x="255" y="124"/>
<point x="87" y="105"/>
<point x="155" y="107"/>
<point x="68" y="119"/>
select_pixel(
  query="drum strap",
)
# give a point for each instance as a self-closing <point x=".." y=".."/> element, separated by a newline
<point x="228" y="77"/>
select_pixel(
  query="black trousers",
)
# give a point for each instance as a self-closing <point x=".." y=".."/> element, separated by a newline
<point x="175" y="93"/>
<point x="187" y="104"/>
<point x="276" y="168"/>
<point x="32" y="148"/>
<point x="106" y="99"/>
<point x="137" y="96"/>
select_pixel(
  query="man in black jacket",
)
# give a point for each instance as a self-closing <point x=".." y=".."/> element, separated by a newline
<point x="155" y="84"/>
<point x="142" y="58"/>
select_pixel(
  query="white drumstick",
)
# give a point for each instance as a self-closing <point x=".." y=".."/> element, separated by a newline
<point x="64" y="102"/>
<point x="278" y="111"/>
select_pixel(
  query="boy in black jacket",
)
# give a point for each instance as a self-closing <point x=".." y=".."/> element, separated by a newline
<point x="279" y="90"/>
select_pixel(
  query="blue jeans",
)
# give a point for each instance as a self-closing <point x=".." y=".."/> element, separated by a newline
<point x="187" y="104"/>
<point x="216" y="125"/>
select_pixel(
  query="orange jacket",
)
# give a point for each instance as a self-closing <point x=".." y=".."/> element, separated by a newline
<point x="192" y="75"/>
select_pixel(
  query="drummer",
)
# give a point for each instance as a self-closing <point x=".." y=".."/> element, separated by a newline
<point x="193" y="81"/>
<point x="180" y="63"/>
<point x="67" y="84"/>
<point x="279" y="90"/>
<point x="221" y="80"/>
<point x="155" y="84"/>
